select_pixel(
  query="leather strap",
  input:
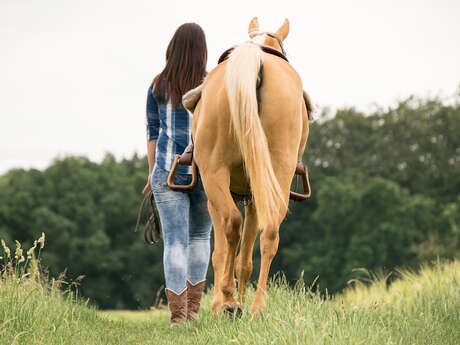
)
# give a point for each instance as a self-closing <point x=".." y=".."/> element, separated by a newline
<point x="152" y="227"/>
<point x="172" y="174"/>
<point x="302" y="172"/>
<point x="265" y="49"/>
<point x="186" y="157"/>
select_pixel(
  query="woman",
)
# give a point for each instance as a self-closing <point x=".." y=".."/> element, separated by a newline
<point x="184" y="217"/>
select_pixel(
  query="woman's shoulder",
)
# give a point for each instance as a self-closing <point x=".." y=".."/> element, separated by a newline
<point x="156" y="91"/>
<point x="152" y="94"/>
<point x="151" y="91"/>
<point x="152" y="87"/>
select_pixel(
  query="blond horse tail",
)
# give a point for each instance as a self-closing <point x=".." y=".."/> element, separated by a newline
<point x="241" y="74"/>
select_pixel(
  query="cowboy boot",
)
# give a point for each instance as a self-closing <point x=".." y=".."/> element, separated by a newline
<point x="194" y="294"/>
<point x="177" y="306"/>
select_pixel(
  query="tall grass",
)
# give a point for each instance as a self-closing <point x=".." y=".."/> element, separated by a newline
<point x="34" y="309"/>
<point x="418" y="308"/>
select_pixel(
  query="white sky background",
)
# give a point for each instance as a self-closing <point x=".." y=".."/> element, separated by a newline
<point x="74" y="74"/>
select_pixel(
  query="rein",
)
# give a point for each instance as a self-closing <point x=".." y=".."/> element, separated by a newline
<point x="152" y="227"/>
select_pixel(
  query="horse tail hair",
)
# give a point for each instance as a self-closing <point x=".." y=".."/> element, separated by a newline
<point x="241" y="74"/>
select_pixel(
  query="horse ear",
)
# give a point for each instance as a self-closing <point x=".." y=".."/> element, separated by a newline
<point x="253" y="27"/>
<point x="283" y="30"/>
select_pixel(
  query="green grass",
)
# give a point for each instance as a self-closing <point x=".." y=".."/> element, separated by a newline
<point x="422" y="308"/>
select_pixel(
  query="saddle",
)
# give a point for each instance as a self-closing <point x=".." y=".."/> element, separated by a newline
<point x="190" y="100"/>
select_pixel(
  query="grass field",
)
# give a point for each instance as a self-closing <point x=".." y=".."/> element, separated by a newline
<point x="421" y="308"/>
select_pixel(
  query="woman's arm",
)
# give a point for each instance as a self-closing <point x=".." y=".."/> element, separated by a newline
<point x="153" y="128"/>
<point x="151" y="147"/>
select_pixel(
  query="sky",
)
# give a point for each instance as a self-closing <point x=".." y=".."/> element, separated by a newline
<point x="74" y="74"/>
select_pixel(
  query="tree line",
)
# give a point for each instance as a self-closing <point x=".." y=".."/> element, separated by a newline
<point x="386" y="194"/>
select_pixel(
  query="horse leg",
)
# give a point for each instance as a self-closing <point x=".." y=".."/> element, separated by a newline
<point x="218" y="257"/>
<point x="244" y="259"/>
<point x="227" y="221"/>
<point x="269" y="239"/>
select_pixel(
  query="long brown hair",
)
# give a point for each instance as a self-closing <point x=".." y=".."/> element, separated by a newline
<point x="185" y="68"/>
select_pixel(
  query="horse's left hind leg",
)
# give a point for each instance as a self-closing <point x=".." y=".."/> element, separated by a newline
<point x="227" y="220"/>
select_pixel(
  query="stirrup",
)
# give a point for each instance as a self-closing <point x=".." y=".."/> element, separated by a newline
<point x="302" y="171"/>
<point x="172" y="174"/>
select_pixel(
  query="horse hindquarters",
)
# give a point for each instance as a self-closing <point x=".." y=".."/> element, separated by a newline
<point x="241" y="75"/>
<point x="213" y="138"/>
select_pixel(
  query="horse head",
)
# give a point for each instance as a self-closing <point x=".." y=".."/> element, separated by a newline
<point x="274" y="40"/>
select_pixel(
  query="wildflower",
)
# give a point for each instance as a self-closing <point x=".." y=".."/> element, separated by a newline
<point x="41" y="240"/>
<point x="6" y="249"/>
<point x="18" y="253"/>
<point x="31" y="251"/>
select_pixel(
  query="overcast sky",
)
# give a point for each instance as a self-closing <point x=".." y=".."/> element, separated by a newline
<point x="74" y="74"/>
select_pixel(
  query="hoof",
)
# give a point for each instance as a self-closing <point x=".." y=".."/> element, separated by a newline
<point x="232" y="309"/>
<point x="257" y="309"/>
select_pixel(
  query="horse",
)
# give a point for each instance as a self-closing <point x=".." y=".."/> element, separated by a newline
<point x="250" y="129"/>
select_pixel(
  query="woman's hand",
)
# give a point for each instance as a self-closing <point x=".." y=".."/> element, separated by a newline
<point x="147" y="186"/>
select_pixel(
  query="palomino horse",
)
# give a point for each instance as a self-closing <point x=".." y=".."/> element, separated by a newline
<point x="242" y="151"/>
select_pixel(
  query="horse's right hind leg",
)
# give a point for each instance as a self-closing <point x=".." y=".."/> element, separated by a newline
<point x="244" y="259"/>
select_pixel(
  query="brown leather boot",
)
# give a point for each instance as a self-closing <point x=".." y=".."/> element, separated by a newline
<point x="177" y="306"/>
<point x="194" y="294"/>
